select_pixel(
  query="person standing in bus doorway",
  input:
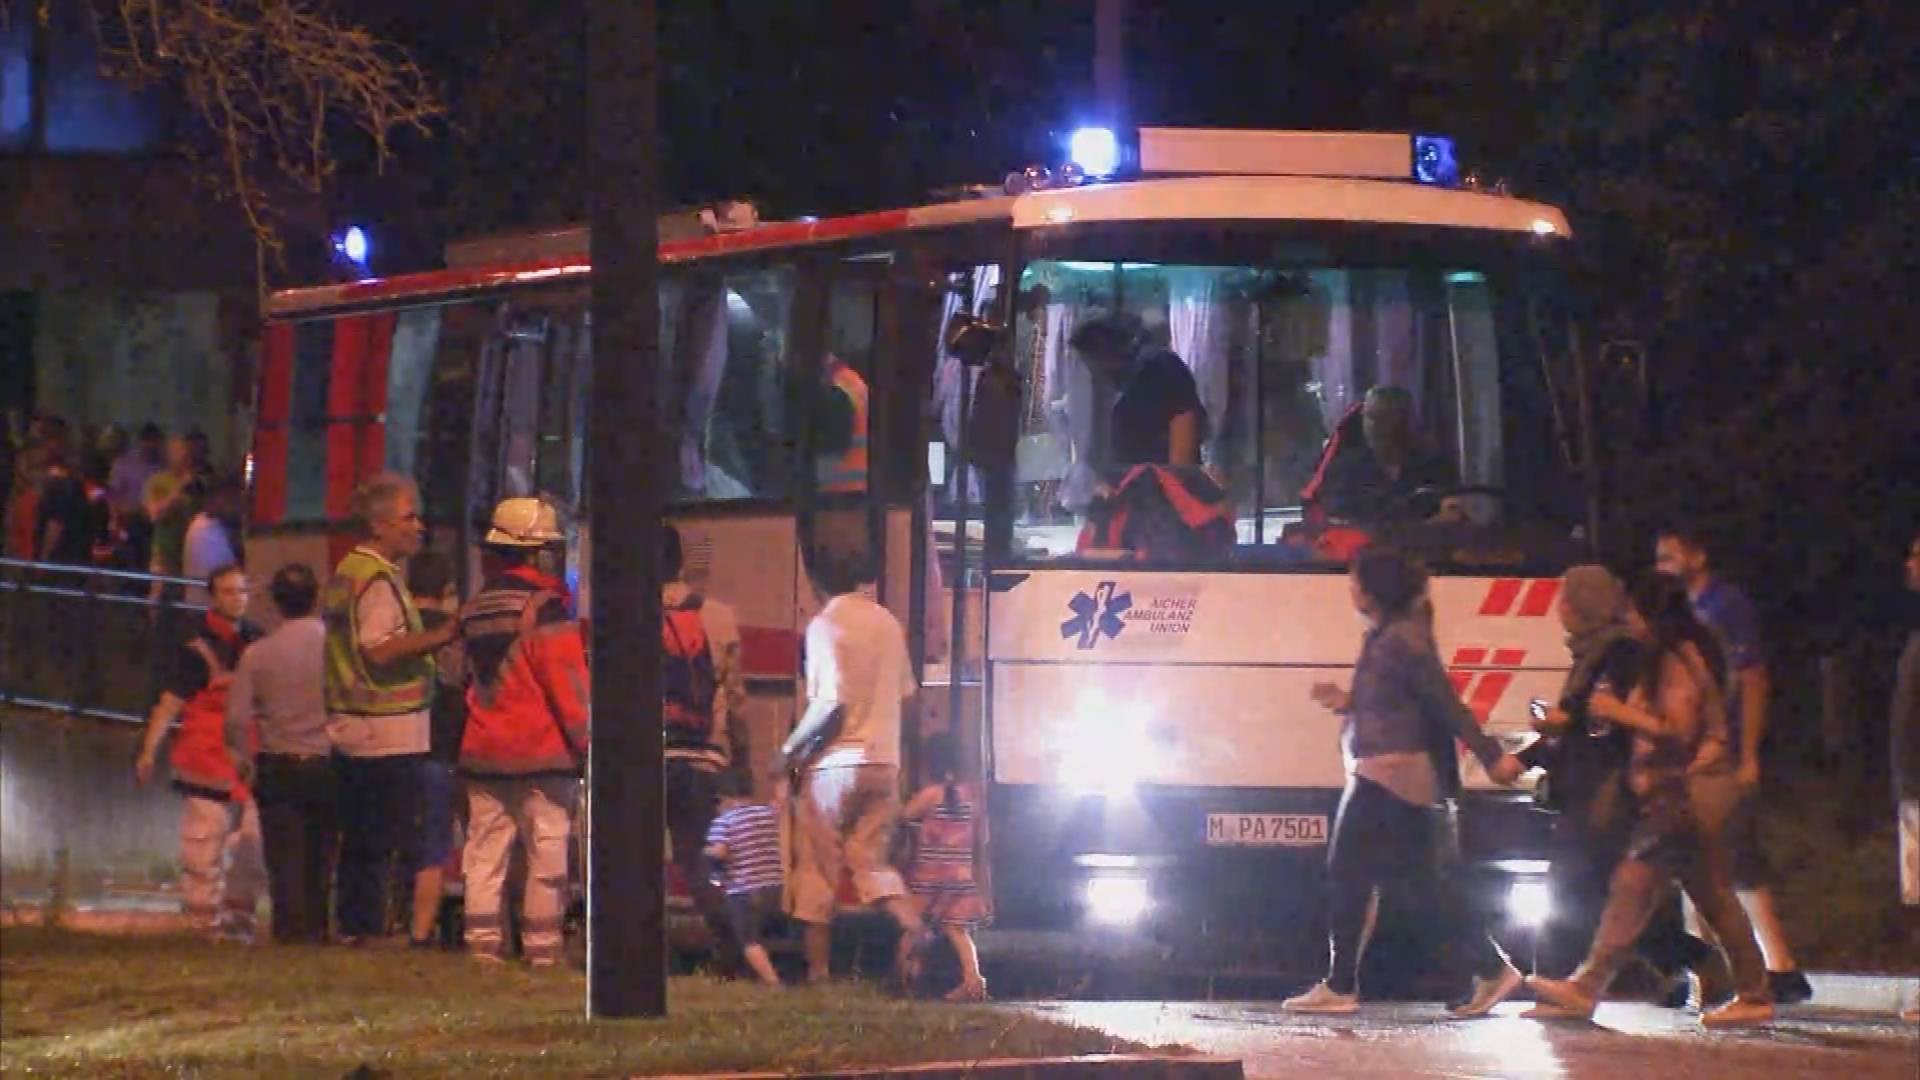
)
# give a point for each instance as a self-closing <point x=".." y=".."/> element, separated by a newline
<point x="171" y="501"/>
<point x="380" y="677"/>
<point x="858" y="674"/>
<point x="840" y="429"/>
<point x="706" y="732"/>
<point x="278" y="706"/>
<point x="1389" y="830"/>
<point x="1682" y="553"/>
<point x="1158" y="418"/>
<point x="221" y="868"/>
<point x="526" y="737"/>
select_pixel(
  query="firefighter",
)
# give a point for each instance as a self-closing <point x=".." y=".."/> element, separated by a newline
<point x="221" y="868"/>
<point x="526" y="736"/>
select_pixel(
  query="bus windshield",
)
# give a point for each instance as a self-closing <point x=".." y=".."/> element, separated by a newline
<point x="1193" y="411"/>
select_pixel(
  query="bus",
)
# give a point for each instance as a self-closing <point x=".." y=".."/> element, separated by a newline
<point x="1153" y="765"/>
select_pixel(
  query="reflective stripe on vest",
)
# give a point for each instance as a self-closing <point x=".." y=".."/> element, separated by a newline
<point x="847" y="471"/>
<point x="353" y="687"/>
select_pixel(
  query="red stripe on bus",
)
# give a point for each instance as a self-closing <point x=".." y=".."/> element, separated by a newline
<point x="1540" y="597"/>
<point x="1460" y="680"/>
<point x="769" y="652"/>
<point x="270" y="439"/>
<point x="1469" y="656"/>
<point x="1500" y="596"/>
<point x="1487" y="693"/>
<point x="1509" y="657"/>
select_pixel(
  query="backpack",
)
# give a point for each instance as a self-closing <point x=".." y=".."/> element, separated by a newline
<point x="688" y="681"/>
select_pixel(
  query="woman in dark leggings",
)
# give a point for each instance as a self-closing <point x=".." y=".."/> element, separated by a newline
<point x="1678" y="773"/>
<point x="1400" y="722"/>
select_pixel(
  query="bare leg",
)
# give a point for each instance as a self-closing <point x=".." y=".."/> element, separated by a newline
<point x="972" y="985"/>
<point x="426" y="901"/>
<point x="1767" y="928"/>
<point x="762" y="964"/>
<point x="819" y="939"/>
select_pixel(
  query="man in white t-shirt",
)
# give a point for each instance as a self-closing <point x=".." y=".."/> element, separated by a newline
<point x="858" y="673"/>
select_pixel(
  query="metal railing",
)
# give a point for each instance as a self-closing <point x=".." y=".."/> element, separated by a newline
<point x="89" y="641"/>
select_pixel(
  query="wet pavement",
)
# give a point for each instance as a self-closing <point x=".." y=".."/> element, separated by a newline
<point x="1640" y="1042"/>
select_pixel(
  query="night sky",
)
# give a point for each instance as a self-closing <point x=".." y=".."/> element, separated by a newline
<point x="814" y="106"/>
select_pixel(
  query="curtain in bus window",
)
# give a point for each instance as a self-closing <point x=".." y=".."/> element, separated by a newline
<point x="701" y="357"/>
<point x="1071" y="408"/>
<point x="580" y="410"/>
<point x="1395" y="339"/>
<point x="1476" y="362"/>
<point x="1320" y="325"/>
<point x="1200" y="327"/>
<point x="489" y="396"/>
<point x="416" y="339"/>
<point x="982" y="283"/>
<point x="520" y="407"/>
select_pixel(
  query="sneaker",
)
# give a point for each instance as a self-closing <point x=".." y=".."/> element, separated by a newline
<point x="1563" y="994"/>
<point x="968" y="992"/>
<point x="491" y="959"/>
<point x="1322" y="999"/>
<point x="1489" y="992"/>
<point x="1789" y="987"/>
<point x="1738" y="1013"/>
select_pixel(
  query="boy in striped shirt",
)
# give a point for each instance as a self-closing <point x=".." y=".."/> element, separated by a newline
<point x="744" y="846"/>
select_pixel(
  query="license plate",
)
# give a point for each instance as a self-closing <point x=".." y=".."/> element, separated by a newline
<point x="1267" y="830"/>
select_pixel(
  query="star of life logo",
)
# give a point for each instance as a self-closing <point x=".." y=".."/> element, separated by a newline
<point x="1101" y="613"/>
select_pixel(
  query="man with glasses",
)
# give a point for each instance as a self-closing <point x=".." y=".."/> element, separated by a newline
<point x="380" y="681"/>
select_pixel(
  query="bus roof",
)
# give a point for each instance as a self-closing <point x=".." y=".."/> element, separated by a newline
<point x="1201" y="198"/>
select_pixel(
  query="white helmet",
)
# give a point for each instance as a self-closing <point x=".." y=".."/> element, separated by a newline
<point x="525" y="523"/>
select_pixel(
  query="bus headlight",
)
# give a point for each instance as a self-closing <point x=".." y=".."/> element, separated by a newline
<point x="1117" y="901"/>
<point x="1529" y="903"/>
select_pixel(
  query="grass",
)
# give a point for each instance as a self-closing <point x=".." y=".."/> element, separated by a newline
<point x="94" y="1005"/>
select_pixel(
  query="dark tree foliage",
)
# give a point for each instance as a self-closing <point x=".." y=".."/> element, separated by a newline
<point x="1744" y="181"/>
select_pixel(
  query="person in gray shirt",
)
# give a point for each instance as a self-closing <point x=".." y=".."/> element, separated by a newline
<point x="277" y="733"/>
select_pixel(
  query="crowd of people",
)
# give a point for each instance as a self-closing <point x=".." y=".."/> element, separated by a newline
<point x="1652" y="766"/>
<point x="333" y="760"/>
<point x="145" y="501"/>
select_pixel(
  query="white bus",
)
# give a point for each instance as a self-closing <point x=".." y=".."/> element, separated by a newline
<point x="1141" y="723"/>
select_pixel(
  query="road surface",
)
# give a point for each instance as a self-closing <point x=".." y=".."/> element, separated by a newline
<point x="1634" y="1042"/>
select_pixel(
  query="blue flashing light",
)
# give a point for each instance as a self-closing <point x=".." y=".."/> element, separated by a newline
<point x="1434" y="161"/>
<point x="353" y="245"/>
<point x="1095" y="150"/>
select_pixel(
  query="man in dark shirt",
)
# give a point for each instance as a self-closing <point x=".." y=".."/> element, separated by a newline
<point x="1377" y="481"/>
<point x="69" y="523"/>
<point x="1158" y="418"/>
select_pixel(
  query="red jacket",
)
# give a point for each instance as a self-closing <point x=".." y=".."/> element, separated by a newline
<point x="527" y="662"/>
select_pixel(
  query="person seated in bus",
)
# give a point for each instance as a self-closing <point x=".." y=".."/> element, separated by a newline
<point x="840" y="429"/>
<point x="1158" y="418"/>
<point x="1377" y="478"/>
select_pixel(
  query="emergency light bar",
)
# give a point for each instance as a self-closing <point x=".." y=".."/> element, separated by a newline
<point x="1358" y="155"/>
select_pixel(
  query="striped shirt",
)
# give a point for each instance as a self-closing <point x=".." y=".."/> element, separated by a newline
<point x="751" y="834"/>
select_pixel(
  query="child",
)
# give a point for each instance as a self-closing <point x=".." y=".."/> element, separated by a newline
<point x="744" y="845"/>
<point x="942" y="875"/>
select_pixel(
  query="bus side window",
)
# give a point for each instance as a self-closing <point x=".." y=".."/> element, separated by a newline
<point x="727" y="350"/>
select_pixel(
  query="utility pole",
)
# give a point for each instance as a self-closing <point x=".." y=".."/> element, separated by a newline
<point x="1110" y="61"/>
<point x="626" y="466"/>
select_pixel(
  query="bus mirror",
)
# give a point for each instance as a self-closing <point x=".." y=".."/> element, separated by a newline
<point x="1623" y="389"/>
<point x="973" y="340"/>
